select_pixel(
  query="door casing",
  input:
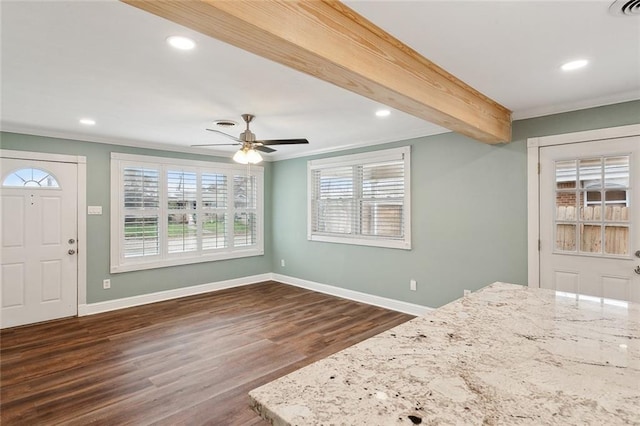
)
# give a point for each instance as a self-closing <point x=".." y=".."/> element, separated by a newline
<point x="81" y="162"/>
<point x="533" y="183"/>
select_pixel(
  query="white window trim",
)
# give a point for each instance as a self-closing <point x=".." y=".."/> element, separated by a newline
<point x="117" y="262"/>
<point x="357" y="159"/>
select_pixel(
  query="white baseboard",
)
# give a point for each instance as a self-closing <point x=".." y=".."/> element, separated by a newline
<point x="383" y="302"/>
<point x="127" y="302"/>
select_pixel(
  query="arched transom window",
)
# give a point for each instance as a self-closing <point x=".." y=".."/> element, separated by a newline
<point x="30" y="177"/>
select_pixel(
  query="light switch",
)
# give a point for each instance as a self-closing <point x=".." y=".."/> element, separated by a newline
<point x="97" y="210"/>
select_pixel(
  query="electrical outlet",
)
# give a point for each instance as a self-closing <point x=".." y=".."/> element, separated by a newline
<point x="466" y="293"/>
<point x="413" y="285"/>
<point x="282" y="262"/>
<point x="106" y="284"/>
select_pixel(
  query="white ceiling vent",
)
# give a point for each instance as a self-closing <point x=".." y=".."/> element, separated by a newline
<point x="625" y="8"/>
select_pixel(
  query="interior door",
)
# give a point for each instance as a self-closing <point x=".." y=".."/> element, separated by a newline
<point x="39" y="233"/>
<point x="589" y="218"/>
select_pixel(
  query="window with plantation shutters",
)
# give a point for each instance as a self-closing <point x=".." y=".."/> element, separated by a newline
<point x="361" y="199"/>
<point x="167" y="212"/>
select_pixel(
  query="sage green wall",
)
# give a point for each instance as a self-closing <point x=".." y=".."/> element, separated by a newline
<point x="469" y="215"/>
<point x="468" y="218"/>
<point x="98" y="186"/>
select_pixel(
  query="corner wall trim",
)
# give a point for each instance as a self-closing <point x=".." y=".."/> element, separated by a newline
<point x="143" y="299"/>
<point x="383" y="302"/>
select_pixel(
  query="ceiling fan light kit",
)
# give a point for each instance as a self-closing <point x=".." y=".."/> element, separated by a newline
<point x="249" y="154"/>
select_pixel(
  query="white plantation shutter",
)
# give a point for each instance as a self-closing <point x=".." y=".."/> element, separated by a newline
<point x="214" y="210"/>
<point x="182" y="224"/>
<point x="171" y="212"/>
<point x="361" y="199"/>
<point x="141" y="211"/>
<point x="245" y="217"/>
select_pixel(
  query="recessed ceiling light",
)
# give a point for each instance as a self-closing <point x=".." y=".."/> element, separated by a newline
<point x="182" y="43"/>
<point x="383" y="113"/>
<point x="87" y="121"/>
<point x="574" y="65"/>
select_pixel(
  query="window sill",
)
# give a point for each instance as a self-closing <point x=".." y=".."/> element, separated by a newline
<point x="142" y="265"/>
<point x="360" y="241"/>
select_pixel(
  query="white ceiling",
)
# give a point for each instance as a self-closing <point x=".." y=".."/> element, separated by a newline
<point x="62" y="61"/>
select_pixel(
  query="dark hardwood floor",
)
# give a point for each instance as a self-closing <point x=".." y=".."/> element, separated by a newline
<point x="185" y="361"/>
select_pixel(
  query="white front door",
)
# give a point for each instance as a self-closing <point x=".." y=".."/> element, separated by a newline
<point x="39" y="241"/>
<point x="590" y="218"/>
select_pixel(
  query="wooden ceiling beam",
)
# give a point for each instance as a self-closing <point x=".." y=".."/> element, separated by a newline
<point x="330" y="41"/>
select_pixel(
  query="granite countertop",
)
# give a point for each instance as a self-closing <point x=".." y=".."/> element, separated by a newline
<point x="506" y="354"/>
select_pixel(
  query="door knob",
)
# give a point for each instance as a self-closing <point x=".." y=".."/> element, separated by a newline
<point x="72" y="251"/>
<point x="637" y="270"/>
<point x="638" y="253"/>
<point x="71" y="241"/>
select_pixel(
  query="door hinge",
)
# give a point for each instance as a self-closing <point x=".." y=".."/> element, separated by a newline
<point x="539" y="245"/>
<point x="538" y="168"/>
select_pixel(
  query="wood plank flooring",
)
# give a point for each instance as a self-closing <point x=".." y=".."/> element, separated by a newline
<point x="185" y="361"/>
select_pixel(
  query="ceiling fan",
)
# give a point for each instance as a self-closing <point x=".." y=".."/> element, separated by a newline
<point x="250" y="145"/>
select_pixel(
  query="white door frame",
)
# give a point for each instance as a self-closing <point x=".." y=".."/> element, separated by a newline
<point x="533" y="183"/>
<point x="81" y="162"/>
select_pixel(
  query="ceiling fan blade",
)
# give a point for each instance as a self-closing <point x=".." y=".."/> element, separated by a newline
<point x="263" y="148"/>
<point x="283" y="141"/>
<point x="218" y="144"/>
<point x="223" y="133"/>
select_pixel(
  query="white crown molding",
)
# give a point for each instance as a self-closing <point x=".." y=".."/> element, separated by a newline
<point x="13" y="128"/>
<point x="362" y="144"/>
<point x="81" y="137"/>
<point x="369" y="299"/>
<point x="616" y="98"/>
<point x="517" y="115"/>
